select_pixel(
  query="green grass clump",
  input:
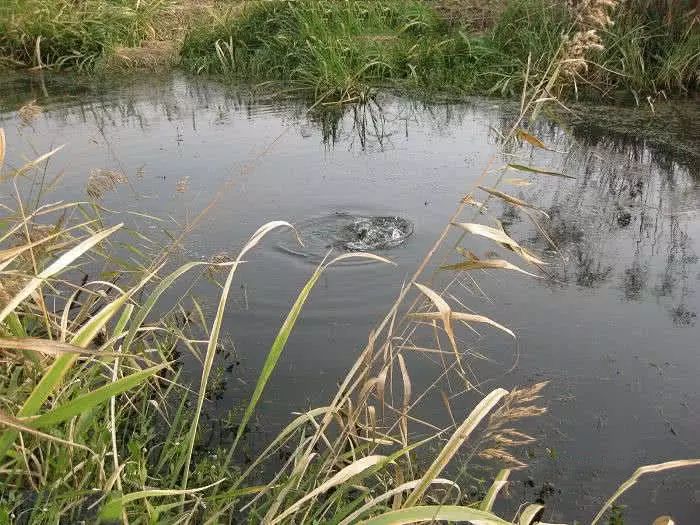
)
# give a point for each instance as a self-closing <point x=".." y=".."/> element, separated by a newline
<point x="650" y="48"/>
<point x="72" y="35"/>
<point x="338" y="49"/>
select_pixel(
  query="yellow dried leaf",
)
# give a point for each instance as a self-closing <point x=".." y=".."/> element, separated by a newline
<point x="515" y="181"/>
<point x="531" y="139"/>
<point x="500" y="236"/>
<point x="483" y="264"/>
<point x="510" y="199"/>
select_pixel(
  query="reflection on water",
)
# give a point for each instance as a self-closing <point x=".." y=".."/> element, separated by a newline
<point x="613" y="325"/>
<point x="627" y="222"/>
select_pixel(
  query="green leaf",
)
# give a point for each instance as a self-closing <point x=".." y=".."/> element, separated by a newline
<point x="532" y="169"/>
<point x="112" y="510"/>
<point x="90" y="400"/>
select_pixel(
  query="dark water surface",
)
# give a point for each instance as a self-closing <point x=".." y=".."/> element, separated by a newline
<point x="614" y="327"/>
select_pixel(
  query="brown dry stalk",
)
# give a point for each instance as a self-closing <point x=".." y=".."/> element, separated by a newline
<point x="590" y="16"/>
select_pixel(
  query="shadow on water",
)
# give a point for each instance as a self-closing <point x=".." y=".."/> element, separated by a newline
<point x="612" y="324"/>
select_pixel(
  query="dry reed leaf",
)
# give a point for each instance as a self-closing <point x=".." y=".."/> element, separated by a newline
<point x="2" y="146"/>
<point x="54" y="348"/>
<point x="371" y="420"/>
<point x="381" y="385"/>
<point x="501" y="237"/>
<point x="461" y="316"/>
<point x="361" y="255"/>
<point x="528" y="515"/>
<point x="512" y="200"/>
<point x="499" y="482"/>
<point x="531" y="139"/>
<point x="369" y="385"/>
<point x="515" y="181"/>
<point x="664" y="520"/>
<point x="454" y="443"/>
<point x="406" y="379"/>
<point x="474" y="263"/>
<point x="444" y="314"/>
<point x="340" y="477"/>
<point x="647" y="469"/>
<point x="31" y="164"/>
<point x="352" y="518"/>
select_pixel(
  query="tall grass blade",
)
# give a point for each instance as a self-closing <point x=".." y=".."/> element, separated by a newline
<point x="214" y="341"/>
<point x="281" y="340"/>
<point x="529" y="513"/>
<point x="647" y="469"/>
<point x="54" y="376"/>
<point x="153" y="297"/>
<point x="499" y="482"/>
<point x="19" y="426"/>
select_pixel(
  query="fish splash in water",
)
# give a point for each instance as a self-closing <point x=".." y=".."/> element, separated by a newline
<point x="347" y="232"/>
<point x="375" y="233"/>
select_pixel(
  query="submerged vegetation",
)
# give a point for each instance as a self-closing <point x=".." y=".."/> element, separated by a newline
<point x="339" y="50"/>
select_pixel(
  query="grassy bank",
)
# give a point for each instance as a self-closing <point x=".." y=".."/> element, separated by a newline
<point x="69" y="35"/>
<point x="341" y="50"/>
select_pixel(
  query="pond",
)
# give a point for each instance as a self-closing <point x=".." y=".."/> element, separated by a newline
<point x="612" y="326"/>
